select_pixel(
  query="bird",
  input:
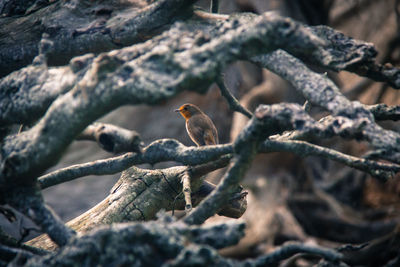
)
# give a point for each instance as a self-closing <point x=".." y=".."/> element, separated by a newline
<point x="199" y="126"/>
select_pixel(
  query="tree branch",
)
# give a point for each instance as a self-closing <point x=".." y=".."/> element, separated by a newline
<point x="321" y="91"/>
<point x="214" y="6"/>
<point x="164" y="240"/>
<point x="29" y="202"/>
<point x="91" y="28"/>
<point x="345" y="53"/>
<point x="160" y="69"/>
<point x="384" y="112"/>
<point x="139" y="194"/>
<point x="158" y="151"/>
<point x="267" y="121"/>
<point x="112" y="138"/>
<point x="381" y="171"/>
<point x="8" y="253"/>
<point x="290" y="250"/>
<point x="232" y="101"/>
<point x="171" y="150"/>
<point x="186" y="189"/>
<point x="101" y="83"/>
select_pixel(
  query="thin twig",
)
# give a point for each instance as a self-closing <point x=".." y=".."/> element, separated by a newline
<point x="210" y="16"/>
<point x="379" y="170"/>
<point x="21" y="127"/>
<point x="307" y="106"/>
<point x="214" y="6"/>
<point x="186" y="188"/>
<point x="232" y="101"/>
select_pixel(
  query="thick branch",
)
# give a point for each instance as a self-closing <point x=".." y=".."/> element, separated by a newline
<point x="158" y="242"/>
<point x="26" y="94"/>
<point x="139" y="194"/>
<point x="345" y="53"/>
<point x="29" y="202"/>
<point x="128" y="76"/>
<point x="79" y="27"/>
<point x="321" y="91"/>
<point x="289" y="250"/>
<point x="151" y="243"/>
<point x="383" y="112"/>
<point x="9" y="253"/>
<point x="112" y="138"/>
<point x="316" y="88"/>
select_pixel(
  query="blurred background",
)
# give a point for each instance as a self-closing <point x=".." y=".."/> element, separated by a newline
<point x="313" y="200"/>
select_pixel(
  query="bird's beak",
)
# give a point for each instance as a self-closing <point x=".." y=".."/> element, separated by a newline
<point x="177" y="110"/>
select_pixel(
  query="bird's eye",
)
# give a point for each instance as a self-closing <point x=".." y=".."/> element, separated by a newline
<point x="185" y="108"/>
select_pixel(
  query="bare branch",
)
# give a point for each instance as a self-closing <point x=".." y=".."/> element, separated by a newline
<point x="165" y="240"/>
<point x="289" y="250"/>
<point x="139" y="194"/>
<point x="11" y="253"/>
<point x="26" y="94"/>
<point x="186" y="189"/>
<point x="98" y="167"/>
<point x="384" y="112"/>
<point x="214" y="6"/>
<point x="232" y="101"/>
<point x="112" y="80"/>
<point x="92" y="33"/>
<point x="345" y="53"/>
<point x="267" y="121"/>
<point x="29" y="201"/>
<point x="158" y="151"/>
<point x="316" y="88"/>
<point x="321" y="91"/>
<point x="112" y="138"/>
<point x="151" y="243"/>
<point x="229" y="234"/>
<point x="171" y="150"/>
<point x="379" y="170"/>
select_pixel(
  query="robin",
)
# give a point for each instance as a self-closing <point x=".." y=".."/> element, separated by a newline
<point x="199" y="126"/>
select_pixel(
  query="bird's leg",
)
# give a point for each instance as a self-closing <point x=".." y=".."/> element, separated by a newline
<point x="186" y="188"/>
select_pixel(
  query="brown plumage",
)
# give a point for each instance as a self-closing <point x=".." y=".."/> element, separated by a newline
<point x="199" y="126"/>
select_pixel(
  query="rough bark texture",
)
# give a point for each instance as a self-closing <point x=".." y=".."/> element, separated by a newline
<point x="139" y="194"/>
<point x="139" y="52"/>
<point x="80" y="27"/>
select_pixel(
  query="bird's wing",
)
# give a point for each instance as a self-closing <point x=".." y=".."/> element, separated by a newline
<point x="202" y="131"/>
<point x="208" y="137"/>
<point x="196" y="133"/>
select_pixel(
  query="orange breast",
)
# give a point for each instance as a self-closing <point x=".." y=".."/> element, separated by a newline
<point x="185" y="113"/>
